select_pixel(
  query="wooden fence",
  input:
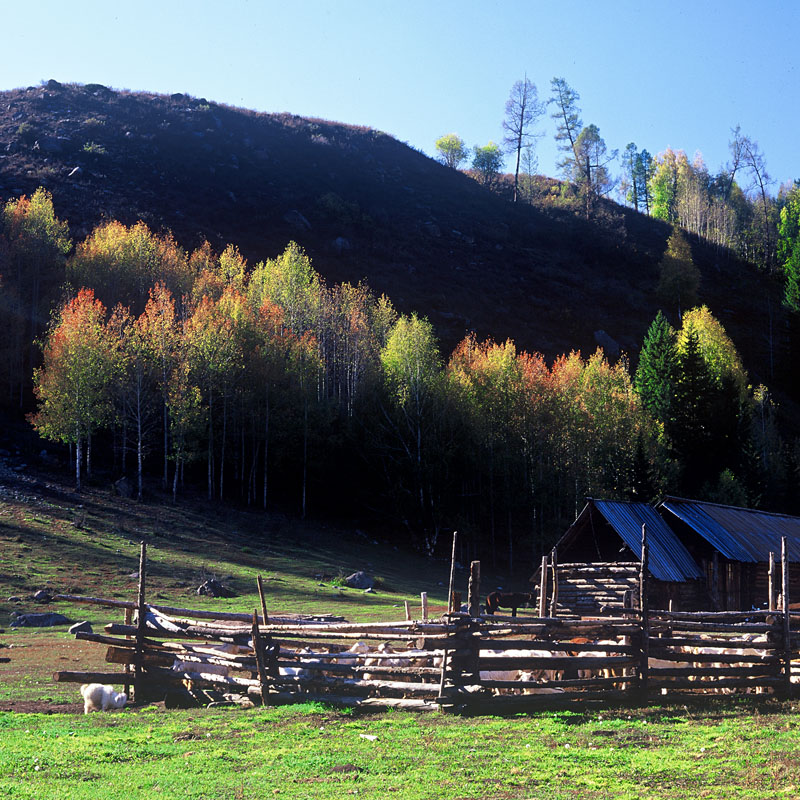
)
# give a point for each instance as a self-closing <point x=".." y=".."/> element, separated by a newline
<point x="460" y="662"/>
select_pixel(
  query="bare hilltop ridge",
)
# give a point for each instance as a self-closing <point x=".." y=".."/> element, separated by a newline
<point x="366" y="206"/>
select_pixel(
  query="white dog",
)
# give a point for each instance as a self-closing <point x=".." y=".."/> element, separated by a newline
<point x="99" y="697"/>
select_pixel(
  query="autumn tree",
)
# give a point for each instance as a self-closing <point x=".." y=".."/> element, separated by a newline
<point x="159" y="327"/>
<point x="136" y="384"/>
<point x="679" y="278"/>
<point x="412" y="420"/>
<point x="121" y="264"/>
<point x="73" y="386"/>
<point x="33" y="245"/>
<point x="451" y="150"/>
<point x="523" y="110"/>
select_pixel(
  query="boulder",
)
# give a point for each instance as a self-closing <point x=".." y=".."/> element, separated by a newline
<point x="214" y="588"/>
<point x="46" y="620"/>
<point x="341" y="245"/>
<point x="81" y="627"/>
<point x="609" y="345"/>
<point x="297" y="220"/>
<point x="359" y="580"/>
<point x="42" y="596"/>
<point x="123" y="488"/>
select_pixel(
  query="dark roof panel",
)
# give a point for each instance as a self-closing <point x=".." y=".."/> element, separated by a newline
<point x="739" y="534"/>
<point x="669" y="559"/>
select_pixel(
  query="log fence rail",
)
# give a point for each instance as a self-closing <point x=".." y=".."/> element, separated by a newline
<point x="462" y="661"/>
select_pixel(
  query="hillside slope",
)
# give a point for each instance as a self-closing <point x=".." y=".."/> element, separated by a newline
<point x="365" y="206"/>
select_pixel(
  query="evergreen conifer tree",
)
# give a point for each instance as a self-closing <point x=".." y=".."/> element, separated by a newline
<point x="655" y="376"/>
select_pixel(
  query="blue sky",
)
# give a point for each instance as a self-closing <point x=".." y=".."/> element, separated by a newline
<point x="678" y="74"/>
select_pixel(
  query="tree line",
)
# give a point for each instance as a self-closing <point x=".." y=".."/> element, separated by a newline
<point x="262" y="385"/>
<point x="733" y="208"/>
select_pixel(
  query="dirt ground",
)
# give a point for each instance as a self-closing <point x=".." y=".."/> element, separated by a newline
<point x="26" y="681"/>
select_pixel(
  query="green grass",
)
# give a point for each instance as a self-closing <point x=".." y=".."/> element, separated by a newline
<point x="725" y="750"/>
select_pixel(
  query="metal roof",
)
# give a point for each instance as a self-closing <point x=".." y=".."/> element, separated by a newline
<point x="739" y="534"/>
<point x="669" y="559"/>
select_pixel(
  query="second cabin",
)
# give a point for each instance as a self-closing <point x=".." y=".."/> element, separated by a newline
<point x="702" y="556"/>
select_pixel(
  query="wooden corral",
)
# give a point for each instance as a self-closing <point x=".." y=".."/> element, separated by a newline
<point x="460" y="662"/>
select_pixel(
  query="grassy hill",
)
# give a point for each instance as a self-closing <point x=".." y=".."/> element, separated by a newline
<point x="364" y="206"/>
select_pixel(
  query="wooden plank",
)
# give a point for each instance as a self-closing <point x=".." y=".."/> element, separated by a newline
<point x="772" y="583"/>
<point x="786" y="619"/>
<point x="98" y="638"/>
<point x="712" y="672"/>
<point x="692" y="641"/>
<point x="575" y="662"/>
<point x="450" y="608"/>
<point x="714" y="658"/>
<point x="644" y="606"/>
<point x="68" y="676"/>
<point x="543" y="588"/>
<point x="128" y="655"/>
<point x="141" y="624"/>
<point x="541" y="644"/>
<point x="707" y="686"/>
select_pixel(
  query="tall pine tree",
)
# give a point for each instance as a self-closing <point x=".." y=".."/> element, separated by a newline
<point x="655" y="376"/>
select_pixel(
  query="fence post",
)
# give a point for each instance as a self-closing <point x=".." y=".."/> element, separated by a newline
<point x="128" y="623"/>
<point x="715" y="582"/>
<point x="452" y="574"/>
<point x="260" y="583"/>
<point x="474" y="589"/>
<point x="543" y="589"/>
<point x="644" y="608"/>
<point x="423" y="599"/>
<point x="772" y="583"/>
<point x="408" y="611"/>
<point x="787" y="623"/>
<point x="554" y="597"/>
<point x="259" y="651"/>
<point x="140" y="627"/>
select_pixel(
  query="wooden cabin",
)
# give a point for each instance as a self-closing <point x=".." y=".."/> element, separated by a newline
<point x="732" y="547"/>
<point x="598" y="559"/>
<point x="703" y="557"/>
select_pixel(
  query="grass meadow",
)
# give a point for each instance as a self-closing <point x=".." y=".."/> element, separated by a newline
<point x="89" y="544"/>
